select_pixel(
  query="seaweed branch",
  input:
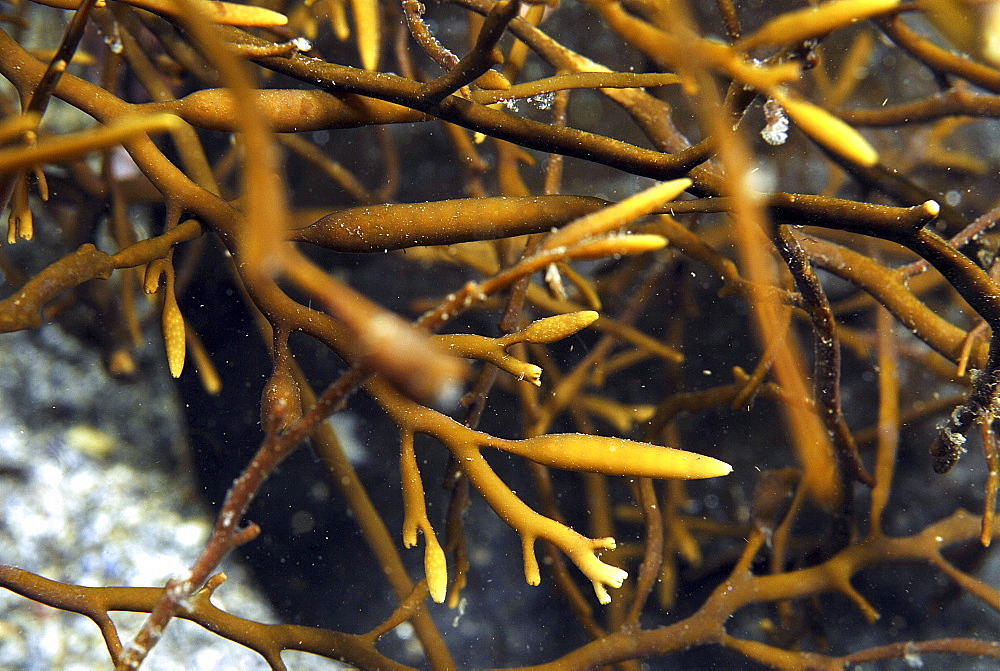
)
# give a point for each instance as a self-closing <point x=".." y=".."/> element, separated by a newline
<point x="625" y="331"/>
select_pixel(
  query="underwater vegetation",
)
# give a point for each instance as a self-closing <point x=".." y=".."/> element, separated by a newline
<point x="716" y="251"/>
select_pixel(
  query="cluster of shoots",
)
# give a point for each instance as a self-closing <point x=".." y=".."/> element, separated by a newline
<point x="764" y="156"/>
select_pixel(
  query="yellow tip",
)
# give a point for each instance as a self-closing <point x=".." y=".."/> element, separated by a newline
<point x="828" y="131"/>
<point x="615" y="456"/>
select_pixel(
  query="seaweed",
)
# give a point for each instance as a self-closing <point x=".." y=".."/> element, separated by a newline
<point x="773" y="161"/>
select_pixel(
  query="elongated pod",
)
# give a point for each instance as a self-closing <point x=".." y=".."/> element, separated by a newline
<point x="222" y="13"/>
<point x="376" y="228"/>
<point x="815" y="21"/>
<point x="828" y="131"/>
<point x="614" y="456"/>
<point x="287" y="110"/>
